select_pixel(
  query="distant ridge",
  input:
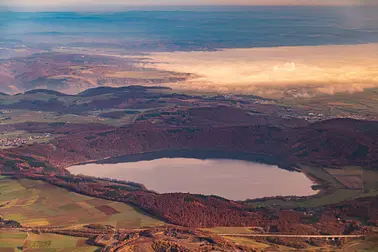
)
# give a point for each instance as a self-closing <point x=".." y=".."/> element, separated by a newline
<point x="45" y="91"/>
<point x="106" y="90"/>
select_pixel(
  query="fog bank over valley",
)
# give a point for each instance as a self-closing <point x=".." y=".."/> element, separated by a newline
<point x="309" y="69"/>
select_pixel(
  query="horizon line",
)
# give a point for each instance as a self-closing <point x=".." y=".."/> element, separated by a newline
<point x="124" y="7"/>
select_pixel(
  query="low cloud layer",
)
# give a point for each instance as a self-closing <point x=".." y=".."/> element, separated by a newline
<point x="303" y="71"/>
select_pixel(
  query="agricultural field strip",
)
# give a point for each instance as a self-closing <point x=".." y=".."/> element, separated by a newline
<point x="36" y="204"/>
<point x="337" y="192"/>
<point x="11" y="239"/>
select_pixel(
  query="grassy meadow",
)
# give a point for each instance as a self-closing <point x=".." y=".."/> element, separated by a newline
<point x="341" y="184"/>
<point x="36" y="203"/>
<point x="12" y="241"/>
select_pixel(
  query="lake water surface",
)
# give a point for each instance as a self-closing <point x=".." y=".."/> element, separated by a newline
<point x="231" y="179"/>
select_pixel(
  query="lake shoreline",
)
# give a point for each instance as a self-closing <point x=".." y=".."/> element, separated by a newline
<point x="202" y="154"/>
<point x="234" y="176"/>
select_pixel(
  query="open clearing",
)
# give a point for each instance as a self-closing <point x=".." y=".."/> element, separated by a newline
<point x="342" y="184"/>
<point x="16" y="116"/>
<point x="350" y="177"/>
<point x="35" y="203"/>
<point x="350" y="245"/>
<point x="370" y="244"/>
<point x="19" y="241"/>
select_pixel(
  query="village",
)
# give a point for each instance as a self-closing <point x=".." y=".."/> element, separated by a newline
<point x="7" y="142"/>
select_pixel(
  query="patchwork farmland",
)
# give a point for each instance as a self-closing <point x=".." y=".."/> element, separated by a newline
<point x="36" y="204"/>
<point x="11" y="241"/>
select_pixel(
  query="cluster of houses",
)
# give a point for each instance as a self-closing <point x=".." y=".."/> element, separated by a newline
<point x="18" y="141"/>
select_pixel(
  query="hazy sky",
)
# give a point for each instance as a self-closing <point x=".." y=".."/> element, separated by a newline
<point x="57" y="3"/>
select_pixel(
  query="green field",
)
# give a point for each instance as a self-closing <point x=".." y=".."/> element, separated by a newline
<point x="245" y="241"/>
<point x="370" y="244"/>
<point x="340" y="183"/>
<point x="22" y="116"/>
<point x="30" y="242"/>
<point x="36" y="203"/>
<point x="370" y="180"/>
<point x="340" y="104"/>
